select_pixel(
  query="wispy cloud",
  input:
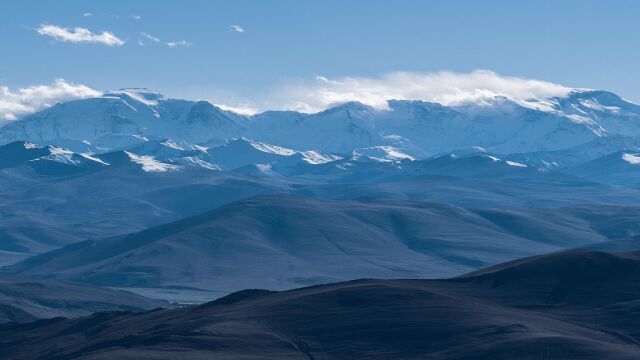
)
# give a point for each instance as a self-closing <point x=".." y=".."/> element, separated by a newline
<point x="237" y="28"/>
<point x="447" y="88"/>
<point x="79" y="35"/>
<point x="135" y="17"/>
<point x="155" y="39"/>
<point x="150" y="37"/>
<point x="87" y="14"/>
<point x="173" y="44"/>
<point x="33" y="98"/>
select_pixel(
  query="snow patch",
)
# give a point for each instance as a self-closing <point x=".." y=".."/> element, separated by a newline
<point x="381" y="154"/>
<point x="194" y="161"/>
<point x="315" y="158"/>
<point x="150" y="164"/>
<point x="89" y="157"/>
<point x="594" y="105"/>
<point x="631" y="158"/>
<point x="516" y="164"/>
<point x="61" y="155"/>
<point x="272" y="149"/>
<point x="172" y="144"/>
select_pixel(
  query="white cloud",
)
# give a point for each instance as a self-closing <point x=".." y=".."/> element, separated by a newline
<point x="447" y="88"/>
<point x="30" y="99"/>
<point x="150" y="37"/>
<point x="135" y="17"/>
<point x="87" y="14"/>
<point x="319" y="93"/>
<point x="79" y="35"/>
<point x="173" y="44"/>
<point x="239" y="109"/>
<point x="237" y="28"/>
<point x="170" y="44"/>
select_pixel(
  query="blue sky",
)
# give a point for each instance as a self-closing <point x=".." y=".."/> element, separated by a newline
<point x="575" y="43"/>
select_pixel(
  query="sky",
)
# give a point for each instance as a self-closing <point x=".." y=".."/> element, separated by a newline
<point x="253" y="54"/>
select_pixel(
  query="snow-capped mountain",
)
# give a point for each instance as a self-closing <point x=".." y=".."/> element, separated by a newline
<point x="415" y="128"/>
<point x="380" y="154"/>
<point x="46" y="160"/>
<point x="241" y="152"/>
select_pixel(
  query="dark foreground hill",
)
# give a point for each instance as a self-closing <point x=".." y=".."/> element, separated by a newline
<point x="580" y="304"/>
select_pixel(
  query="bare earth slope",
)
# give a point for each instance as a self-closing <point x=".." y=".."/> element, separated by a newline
<point x="578" y="304"/>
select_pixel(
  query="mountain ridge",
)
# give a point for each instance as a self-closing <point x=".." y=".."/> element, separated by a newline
<point x="502" y="125"/>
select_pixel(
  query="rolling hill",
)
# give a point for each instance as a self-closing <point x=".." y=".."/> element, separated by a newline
<point x="578" y="305"/>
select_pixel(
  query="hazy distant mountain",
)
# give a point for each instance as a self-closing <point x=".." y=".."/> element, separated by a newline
<point x="50" y="197"/>
<point x="280" y="242"/>
<point x="573" y="305"/>
<point x="24" y="299"/>
<point x="618" y="168"/>
<point x="559" y="159"/>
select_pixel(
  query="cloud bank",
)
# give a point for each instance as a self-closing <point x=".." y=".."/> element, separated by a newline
<point x="79" y="35"/>
<point x="320" y="93"/>
<point x="447" y="88"/>
<point x="30" y="99"/>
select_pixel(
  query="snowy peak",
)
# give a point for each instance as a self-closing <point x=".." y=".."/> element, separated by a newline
<point x="266" y="148"/>
<point x="19" y="152"/>
<point x="145" y="163"/>
<point x="600" y="99"/>
<point x="350" y="109"/>
<point x="47" y="160"/>
<point x="137" y="95"/>
<point x="419" y="107"/>
<point x="380" y="154"/>
<point x="241" y="152"/>
<point x="68" y="157"/>
<point x="314" y="157"/>
<point x="150" y="164"/>
<point x="162" y="149"/>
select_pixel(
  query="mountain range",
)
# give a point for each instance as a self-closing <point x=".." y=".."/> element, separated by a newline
<point x="134" y="190"/>
<point x="501" y="125"/>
